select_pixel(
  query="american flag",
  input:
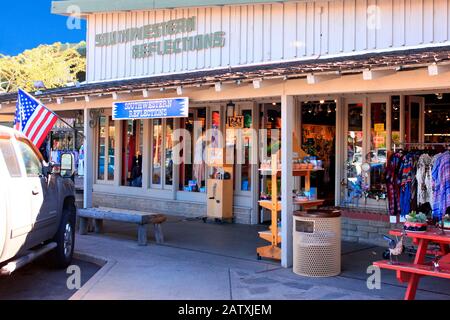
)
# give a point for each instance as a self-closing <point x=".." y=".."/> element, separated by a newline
<point x="33" y="118"/>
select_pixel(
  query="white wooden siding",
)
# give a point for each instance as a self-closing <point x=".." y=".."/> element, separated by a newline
<point x="272" y="32"/>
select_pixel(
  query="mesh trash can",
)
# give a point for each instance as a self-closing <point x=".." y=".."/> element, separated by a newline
<point x="317" y="243"/>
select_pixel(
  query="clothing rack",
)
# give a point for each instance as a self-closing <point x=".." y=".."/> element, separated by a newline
<point x="444" y="144"/>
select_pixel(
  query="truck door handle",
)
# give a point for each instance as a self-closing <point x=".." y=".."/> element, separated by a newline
<point x="35" y="192"/>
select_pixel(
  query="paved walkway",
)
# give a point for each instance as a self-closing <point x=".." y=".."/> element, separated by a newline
<point x="184" y="270"/>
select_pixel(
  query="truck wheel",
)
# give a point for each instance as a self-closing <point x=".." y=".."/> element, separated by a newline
<point x="65" y="238"/>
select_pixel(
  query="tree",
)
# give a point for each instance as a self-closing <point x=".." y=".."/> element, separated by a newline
<point x="55" y="65"/>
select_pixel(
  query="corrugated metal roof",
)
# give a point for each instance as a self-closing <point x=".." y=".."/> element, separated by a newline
<point x="403" y="60"/>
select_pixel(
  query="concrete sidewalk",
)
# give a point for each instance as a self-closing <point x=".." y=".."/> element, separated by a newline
<point x="207" y="261"/>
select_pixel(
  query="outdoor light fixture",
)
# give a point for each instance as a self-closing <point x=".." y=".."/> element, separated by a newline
<point x="230" y="109"/>
<point x="86" y="98"/>
<point x="329" y="109"/>
<point x="145" y="93"/>
<point x="218" y="86"/>
<point x="114" y="95"/>
<point x="161" y="89"/>
<point x="322" y="101"/>
<point x="59" y="100"/>
<point x="257" y="83"/>
<point x="179" y="90"/>
<point x="439" y="96"/>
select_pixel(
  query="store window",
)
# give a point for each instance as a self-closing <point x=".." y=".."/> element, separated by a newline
<point x="168" y="161"/>
<point x="354" y="145"/>
<point x="247" y="139"/>
<point x="105" y="148"/>
<point x="395" y="120"/>
<point x="157" y="149"/>
<point x="111" y="148"/>
<point x="132" y="148"/>
<point x="101" y="148"/>
<point x="378" y="153"/>
<point x="193" y="166"/>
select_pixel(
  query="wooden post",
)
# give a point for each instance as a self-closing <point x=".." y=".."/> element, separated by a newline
<point x="287" y="180"/>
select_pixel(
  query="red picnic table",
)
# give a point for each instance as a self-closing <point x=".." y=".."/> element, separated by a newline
<point x="411" y="272"/>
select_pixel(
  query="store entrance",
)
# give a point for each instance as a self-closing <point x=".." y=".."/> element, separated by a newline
<point x="318" y="133"/>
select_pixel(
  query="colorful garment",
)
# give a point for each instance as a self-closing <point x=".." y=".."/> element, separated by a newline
<point x="405" y="179"/>
<point x="424" y="181"/>
<point x="392" y="185"/>
<point x="440" y="174"/>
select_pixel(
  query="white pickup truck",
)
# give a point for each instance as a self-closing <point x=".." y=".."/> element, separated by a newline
<point x="37" y="206"/>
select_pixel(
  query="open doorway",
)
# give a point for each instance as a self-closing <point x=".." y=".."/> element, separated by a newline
<point x="318" y="139"/>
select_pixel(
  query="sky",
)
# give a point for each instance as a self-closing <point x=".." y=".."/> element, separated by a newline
<point x="25" y="24"/>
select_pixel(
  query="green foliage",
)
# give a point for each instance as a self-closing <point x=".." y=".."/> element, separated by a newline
<point x="55" y="65"/>
<point x="416" y="217"/>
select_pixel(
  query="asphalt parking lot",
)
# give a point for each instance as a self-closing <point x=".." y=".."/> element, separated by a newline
<point x="38" y="281"/>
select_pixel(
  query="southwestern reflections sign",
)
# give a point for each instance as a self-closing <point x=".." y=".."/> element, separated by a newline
<point x="151" y="109"/>
<point x="164" y="46"/>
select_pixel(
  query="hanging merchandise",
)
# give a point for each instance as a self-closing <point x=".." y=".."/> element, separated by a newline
<point x="441" y="184"/>
<point x="418" y="180"/>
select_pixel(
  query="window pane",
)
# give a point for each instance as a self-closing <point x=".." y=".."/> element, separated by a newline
<point x="395" y="121"/>
<point x="168" y="154"/>
<point x="246" y="168"/>
<point x="132" y="136"/>
<point x="156" y="152"/>
<point x="193" y="172"/>
<point x="377" y="156"/>
<point x="111" y="150"/>
<point x="9" y="154"/>
<point x="354" y="152"/>
<point x="101" y="148"/>
<point x="33" y="165"/>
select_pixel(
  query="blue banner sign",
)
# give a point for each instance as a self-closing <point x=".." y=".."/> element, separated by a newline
<point x="151" y="109"/>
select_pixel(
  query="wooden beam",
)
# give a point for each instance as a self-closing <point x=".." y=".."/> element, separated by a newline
<point x="317" y="78"/>
<point x="376" y="74"/>
<point x="436" y="69"/>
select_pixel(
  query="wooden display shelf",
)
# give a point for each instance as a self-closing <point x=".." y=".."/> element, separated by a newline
<point x="267" y="204"/>
<point x="273" y="251"/>
<point x="267" y="235"/>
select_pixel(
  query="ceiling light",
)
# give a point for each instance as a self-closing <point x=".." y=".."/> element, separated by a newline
<point x="322" y="101"/>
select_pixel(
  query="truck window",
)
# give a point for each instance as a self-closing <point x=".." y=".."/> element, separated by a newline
<point x="9" y="154"/>
<point x="33" y="165"/>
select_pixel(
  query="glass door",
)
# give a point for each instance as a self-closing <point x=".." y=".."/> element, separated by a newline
<point x="354" y="151"/>
<point x="415" y="120"/>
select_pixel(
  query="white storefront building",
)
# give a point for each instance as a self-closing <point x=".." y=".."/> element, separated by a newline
<point x="350" y="78"/>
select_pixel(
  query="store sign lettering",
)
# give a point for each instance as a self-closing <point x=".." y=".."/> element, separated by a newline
<point x="155" y="31"/>
<point x="151" y="109"/>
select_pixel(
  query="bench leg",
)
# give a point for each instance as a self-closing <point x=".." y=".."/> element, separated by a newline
<point x="98" y="225"/>
<point x="83" y="227"/>
<point x="158" y="233"/>
<point x="142" y="234"/>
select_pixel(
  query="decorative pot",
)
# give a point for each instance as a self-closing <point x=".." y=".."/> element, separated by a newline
<point x="415" y="226"/>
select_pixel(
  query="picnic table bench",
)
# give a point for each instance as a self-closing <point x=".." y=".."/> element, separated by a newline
<point x="412" y="272"/>
<point x="142" y="219"/>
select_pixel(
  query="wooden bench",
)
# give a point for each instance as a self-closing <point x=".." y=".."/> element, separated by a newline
<point x="142" y="219"/>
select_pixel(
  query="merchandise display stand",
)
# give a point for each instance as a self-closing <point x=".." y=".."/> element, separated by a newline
<point x="220" y="197"/>
<point x="273" y="251"/>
